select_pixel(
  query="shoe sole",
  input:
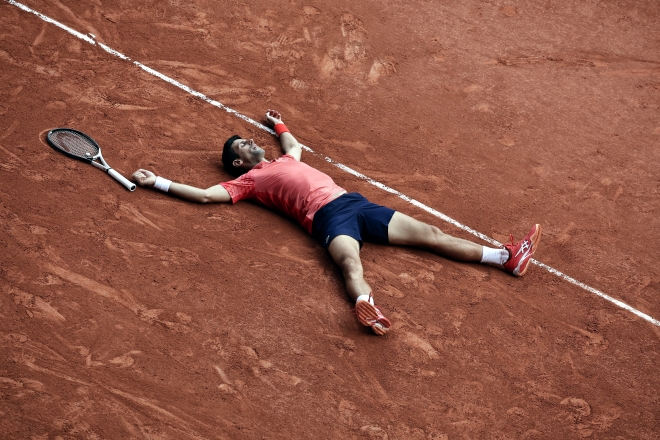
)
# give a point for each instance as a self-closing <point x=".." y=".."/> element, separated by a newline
<point x="535" y="239"/>
<point x="367" y="314"/>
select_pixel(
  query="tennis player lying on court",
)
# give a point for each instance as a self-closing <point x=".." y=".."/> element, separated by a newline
<point x="340" y="221"/>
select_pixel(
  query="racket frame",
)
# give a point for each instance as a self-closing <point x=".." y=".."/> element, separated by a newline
<point x="91" y="159"/>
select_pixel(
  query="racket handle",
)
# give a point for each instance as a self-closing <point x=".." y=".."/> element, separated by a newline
<point x="123" y="180"/>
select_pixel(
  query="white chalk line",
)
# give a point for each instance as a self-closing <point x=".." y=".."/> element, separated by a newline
<point x="91" y="40"/>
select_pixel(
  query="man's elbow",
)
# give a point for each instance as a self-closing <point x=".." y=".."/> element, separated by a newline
<point x="205" y="197"/>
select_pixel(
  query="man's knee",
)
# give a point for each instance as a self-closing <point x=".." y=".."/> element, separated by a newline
<point x="436" y="233"/>
<point x="425" y="232"/>
<point x="351" y="267"/>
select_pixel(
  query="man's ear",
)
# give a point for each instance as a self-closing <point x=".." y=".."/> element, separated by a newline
<point x="237" y="163"/>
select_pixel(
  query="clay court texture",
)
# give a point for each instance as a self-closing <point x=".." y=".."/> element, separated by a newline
<point x="137" y="315"/>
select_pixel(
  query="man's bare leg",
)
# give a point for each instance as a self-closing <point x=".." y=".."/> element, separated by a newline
<point x="513" y="258"/>
<point x="345" y="251"/>
<point x="406" y="231"/>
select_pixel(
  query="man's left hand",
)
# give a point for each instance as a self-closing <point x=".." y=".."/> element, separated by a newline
<point x="273" y="117"/>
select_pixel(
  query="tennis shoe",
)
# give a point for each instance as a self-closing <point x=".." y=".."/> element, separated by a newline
<point x="371" y="316"/>
<point x="521" y="253"/>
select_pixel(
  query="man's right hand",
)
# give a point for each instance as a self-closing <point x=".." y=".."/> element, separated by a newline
<point x="144" y="177"/>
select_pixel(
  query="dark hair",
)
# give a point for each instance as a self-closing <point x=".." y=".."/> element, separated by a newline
<point x="229" y="156"/>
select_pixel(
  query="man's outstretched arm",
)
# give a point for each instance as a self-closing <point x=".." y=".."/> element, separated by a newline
<point x="288" y="143"/>
<point x="214" y="194"/>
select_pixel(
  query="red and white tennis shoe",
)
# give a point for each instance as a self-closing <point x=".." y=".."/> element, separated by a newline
<point x="371" y="316"/>
<point x="521" y="252"/>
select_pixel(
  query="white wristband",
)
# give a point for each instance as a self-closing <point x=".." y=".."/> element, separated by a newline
<point x="162" y="184"/>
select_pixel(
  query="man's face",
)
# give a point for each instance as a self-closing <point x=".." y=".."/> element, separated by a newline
<point x="248" y="152"/>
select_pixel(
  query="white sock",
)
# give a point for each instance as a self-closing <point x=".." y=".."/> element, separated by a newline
<point x="365" y="298"/>
<point x="494" y="256"/>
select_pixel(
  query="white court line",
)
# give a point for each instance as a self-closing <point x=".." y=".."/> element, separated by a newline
<point x="90" y="39"/>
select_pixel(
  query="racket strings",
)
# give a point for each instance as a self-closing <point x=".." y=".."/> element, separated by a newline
<point x="74" y="144"/>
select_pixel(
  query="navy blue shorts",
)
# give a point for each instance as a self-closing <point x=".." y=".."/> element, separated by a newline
<point x="353" y="215"/>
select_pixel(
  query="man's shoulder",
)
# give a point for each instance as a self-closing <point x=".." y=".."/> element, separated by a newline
<point x="286" y="158"/>
<point x="289" y="160"/>
<point x="286" y="161"/>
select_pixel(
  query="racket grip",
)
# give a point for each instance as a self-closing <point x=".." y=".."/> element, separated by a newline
<point x="123" y="180"/>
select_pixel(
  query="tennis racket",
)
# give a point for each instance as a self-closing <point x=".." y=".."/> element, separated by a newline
<point x="80" y="146"/>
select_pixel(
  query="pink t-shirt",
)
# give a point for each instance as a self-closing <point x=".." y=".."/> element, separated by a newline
<point x="287" y="185"/>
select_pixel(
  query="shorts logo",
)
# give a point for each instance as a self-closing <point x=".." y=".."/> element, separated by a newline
<point x="327" y="239"/>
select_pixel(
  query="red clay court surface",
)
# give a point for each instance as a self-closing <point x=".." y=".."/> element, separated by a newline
<point x="136" y="315"/>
